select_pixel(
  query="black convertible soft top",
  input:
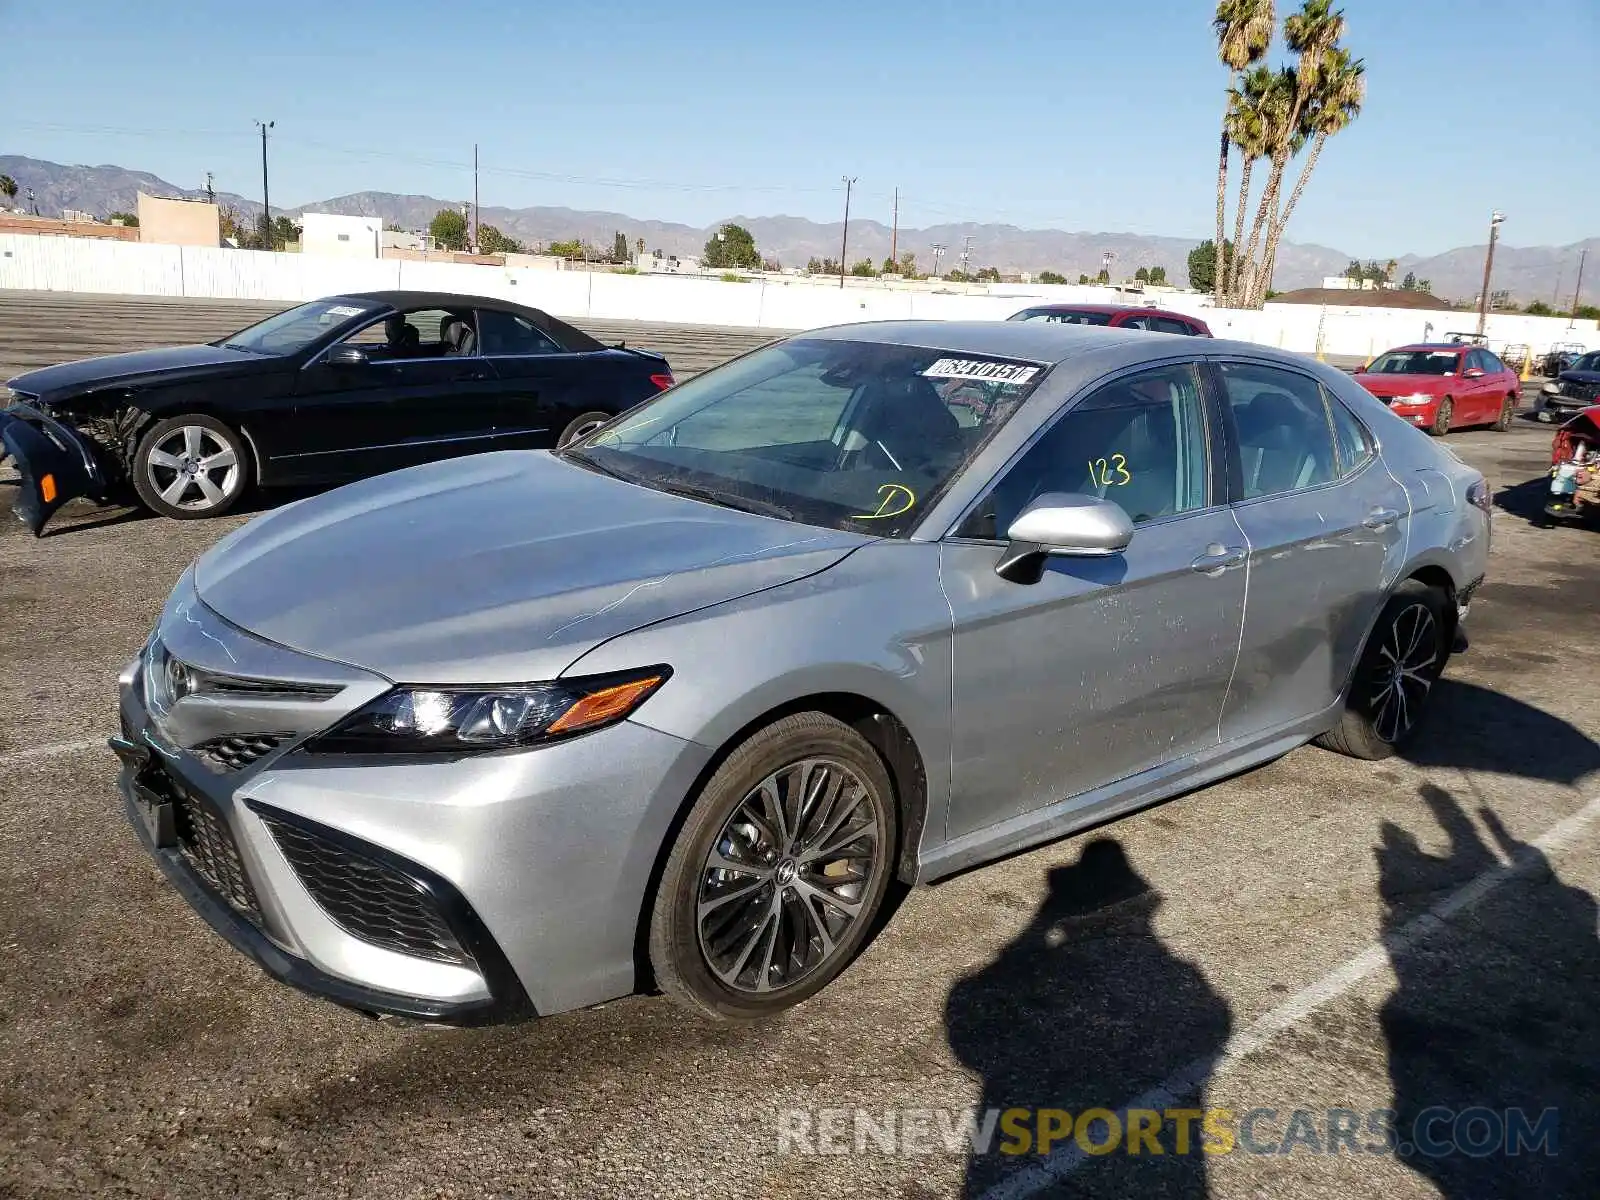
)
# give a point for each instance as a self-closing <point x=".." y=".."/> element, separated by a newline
<point x="573" y="339"/>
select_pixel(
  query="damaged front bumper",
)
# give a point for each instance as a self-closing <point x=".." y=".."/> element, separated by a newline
<point x="57" y="463"/>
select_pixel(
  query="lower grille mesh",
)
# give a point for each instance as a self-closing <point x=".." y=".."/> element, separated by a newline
<point x="208" y="845"/>
<point x="368" y="899"/>
<point x="237" y="752"/>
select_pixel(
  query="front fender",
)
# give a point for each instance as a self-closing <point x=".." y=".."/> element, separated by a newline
<point x="57" y="464"/>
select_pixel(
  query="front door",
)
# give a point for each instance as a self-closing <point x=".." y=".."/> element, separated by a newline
<point x="1104" y="667"/>
<point x="1326" y="523"/>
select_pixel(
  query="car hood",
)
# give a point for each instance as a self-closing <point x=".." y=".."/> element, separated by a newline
<point x="117" y="369"/>
<point x="1404" y="385"/>
<point x="1580" y="377"/>
<point x="494" y="568"/>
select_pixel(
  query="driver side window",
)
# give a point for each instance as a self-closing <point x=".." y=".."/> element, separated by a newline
<point x="1139" y="441"/>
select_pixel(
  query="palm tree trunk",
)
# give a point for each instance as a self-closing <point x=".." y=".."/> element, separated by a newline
<point x="1280" y="222"/>
<point x="1220" y="282"/>
<point x="1234" y="290"/>
<point x="1247" y="258"/>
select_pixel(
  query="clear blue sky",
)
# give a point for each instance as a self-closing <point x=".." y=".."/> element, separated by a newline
<point x="1073" y="115"/>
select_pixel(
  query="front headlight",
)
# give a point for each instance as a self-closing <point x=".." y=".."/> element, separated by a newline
<point x="467" y="720"/>
<point x="1414" y="398"/>
<point x="1551" y="389"/>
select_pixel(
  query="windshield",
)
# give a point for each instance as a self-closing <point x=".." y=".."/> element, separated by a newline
<point x="292" y="331"/>
<point x="1416" y="362"/>
<point x="850" y="435"/>
<point x="1064" y="317"/>
<point x="1589" y="362"/>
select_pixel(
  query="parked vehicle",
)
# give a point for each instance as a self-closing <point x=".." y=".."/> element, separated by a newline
<point x="329" y="391"/>
<point x="1560" y="357"/>
<point x="1440" y="386"/>
<point x="1575" y="469"/>
<point x="1516" y="355"/>
<point x="1573" y="390"/>
<point x="1116" y="316"/>
<point x="672" y="706"/>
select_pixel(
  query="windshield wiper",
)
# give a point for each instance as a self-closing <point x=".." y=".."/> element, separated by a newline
<point x="591" y="464"/>
<point x="733" y="500"/>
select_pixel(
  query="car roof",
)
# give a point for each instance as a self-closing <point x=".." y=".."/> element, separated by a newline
<point x="1437" y="347"/>
<point x="567" y="335"/>
<point x="1109" y="310"/>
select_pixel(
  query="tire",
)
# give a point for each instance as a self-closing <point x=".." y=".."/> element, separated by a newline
<point x="1508" y="412"/>
<point x="581" y="426"/>
<point x="743" y="958"/>
<point x="170" y="471"/>
<point x="1369" y="727"/>
<point x="1442" y="416"/>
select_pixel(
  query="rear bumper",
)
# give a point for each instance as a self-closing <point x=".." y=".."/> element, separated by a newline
<point x="57" y="464"/>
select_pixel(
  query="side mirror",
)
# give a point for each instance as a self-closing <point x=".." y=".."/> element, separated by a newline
<point x="1472" y="373"/>
<point x="348" y="356"/>
<point x="1065" y="524"/>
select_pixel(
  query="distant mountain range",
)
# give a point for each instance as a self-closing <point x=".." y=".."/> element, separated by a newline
<point x="1528" y="273"/>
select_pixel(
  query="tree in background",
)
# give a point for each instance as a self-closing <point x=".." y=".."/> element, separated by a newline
<point x="1587" y="312"/>
<point x="230" y="226"/>
<point x="284" y="231"/>
<point x="8" y="189"/>
<point x="890" y="267"/>
<point x="127" y="218"/>
<point x="619" y="248"/>
<point x="1257" y="110"/>
<point x="771" y="264"/>
<point x="1051" y="277"/>
<point x="1142" y="275"/>
<point x="392" y="227"/>
<point x="1244" y="33"/>
<point x="731" y="246"/>
<point x="449" y="229"/>
<point x="864" y="269"/>
<point x="1203" y="264"/>
<point x="1539" y="309"/>
<point x="574" y="250"/>
<point x="1354" y="271"/>
<point x="1409" y="283"/>
<point x="492" y="241"/>
<point x="813" y="265"/>
<point x="988" y="275"/>
<point x="638" y="245"/>
<point x="1158" y="275"/>
<point x="1103" y="277"/>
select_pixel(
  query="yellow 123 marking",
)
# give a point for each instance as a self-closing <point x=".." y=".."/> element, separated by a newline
<point x="1109" y="473"/>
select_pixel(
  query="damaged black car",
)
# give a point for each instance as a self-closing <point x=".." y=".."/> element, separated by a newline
<point x="327" y="392"/>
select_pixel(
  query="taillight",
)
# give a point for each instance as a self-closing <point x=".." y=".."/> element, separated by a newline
<point x="1478" y="495"/>
<point x="662" y="381"/>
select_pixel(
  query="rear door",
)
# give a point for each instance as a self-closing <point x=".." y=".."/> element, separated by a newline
<point x="1325" y="523"/>
<point x="1104" y="667"/>
<point x="538" y="384"/>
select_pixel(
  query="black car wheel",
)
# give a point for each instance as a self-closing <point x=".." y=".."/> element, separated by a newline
<point x="1508" y="412"/>
<point x="582" y="426"/>
<point x="1442" y="416"/>
<point x="190" y="467"/>
<point x="1403" y="659"/>
<point x="774" y="882"/>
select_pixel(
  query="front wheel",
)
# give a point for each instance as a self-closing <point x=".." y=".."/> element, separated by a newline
<point x="779" y="871"/>
<point x="581" y="426"/>
<point x="190" y="467"/>
<point x="1442" y="416"/>
<point x="1508" y="411"/>
<point x="1402" y="661"/>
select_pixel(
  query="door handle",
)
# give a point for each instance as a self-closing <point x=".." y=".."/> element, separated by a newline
<point x="470" y="373"/>
<point x="1218" y="559"/>
<point x="1381" y="518"/>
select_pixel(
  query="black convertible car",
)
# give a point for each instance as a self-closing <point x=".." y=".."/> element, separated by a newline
<point x="329" y="391"/>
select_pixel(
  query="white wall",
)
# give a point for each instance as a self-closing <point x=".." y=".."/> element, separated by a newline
<point x="338" y="236"/>
<point x="65" y="264"/>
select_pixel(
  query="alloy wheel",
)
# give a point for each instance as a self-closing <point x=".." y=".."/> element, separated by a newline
<point x="788" y="875"/>
<point x="193" y="468"/>
<point x="1403" y="674"/>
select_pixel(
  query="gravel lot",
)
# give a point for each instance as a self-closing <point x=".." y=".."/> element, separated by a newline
<point x="1319" y="933"/>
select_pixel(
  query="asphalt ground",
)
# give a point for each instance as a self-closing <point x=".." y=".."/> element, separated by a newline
<point x="1320" y="934"/>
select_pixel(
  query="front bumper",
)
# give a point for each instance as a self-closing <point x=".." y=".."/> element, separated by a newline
<point x="1551" y="407"/>
<point x="56" y="462"/>
<point x="537" y="862"/>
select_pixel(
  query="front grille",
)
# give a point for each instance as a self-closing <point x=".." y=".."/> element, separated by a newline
<point x="368" y="899"/>
<point x="1580" y="391"/>
<point x="207" y="844"/>
<point x="237" y="752"/>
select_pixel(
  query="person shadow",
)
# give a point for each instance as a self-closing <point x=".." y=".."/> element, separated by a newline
<point x="1087" y="1008"/>
<point x="1495" y="1009"/>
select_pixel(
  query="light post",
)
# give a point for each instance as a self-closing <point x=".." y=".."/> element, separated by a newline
<point x="844" y="242"/>
<point x="1495" y="220"/>
<point x="266" y="202"/>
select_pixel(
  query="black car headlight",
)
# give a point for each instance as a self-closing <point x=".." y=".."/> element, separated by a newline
<point x="465" y="720"/>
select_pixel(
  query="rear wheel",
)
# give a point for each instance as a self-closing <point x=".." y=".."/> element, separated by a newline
<point x="1442" y="416"/>
<point x="190" y="467"/>
<point x="774" y="882"/>
<point x="582" y="426"/>
<point x="1402" y="661"/>
<point x="1508" y="411"/>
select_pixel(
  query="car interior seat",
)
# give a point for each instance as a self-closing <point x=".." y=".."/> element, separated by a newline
<point x="1279" y="444"/>
<point x="905" y="425"/>
<point x="458" y="338"/>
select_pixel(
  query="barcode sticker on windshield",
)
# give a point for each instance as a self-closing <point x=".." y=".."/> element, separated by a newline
<point x="981" y="368"/>
<point x="345" y="310"/>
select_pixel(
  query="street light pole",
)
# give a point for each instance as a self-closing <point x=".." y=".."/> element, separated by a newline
<point x="1578" y="291"/>
<point x="266" y="203"/>
<point x="844" y="241"/>
<point x="1488" y="270"/>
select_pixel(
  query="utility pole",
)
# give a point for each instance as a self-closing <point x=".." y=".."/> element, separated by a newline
<point x="211" y="191"/>
<point x="938" y="253"/>
<point x="1106" y="259"/>
<point x="266" y="203"/>
<point x="1495" y="219"/>
<point x="966" y="254"/>
<point x="475" y="197"/>
<point x="1578" y="291"/>
<point x="894" y="232"/>
<point x="844" y="242"/>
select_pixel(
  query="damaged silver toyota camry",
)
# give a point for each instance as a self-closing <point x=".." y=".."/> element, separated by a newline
<point x="676" y="706"/>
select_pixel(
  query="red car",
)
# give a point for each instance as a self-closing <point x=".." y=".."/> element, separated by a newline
<point x="1575" y="468"/>
<point x="1440" y="386"/>
<point x="1119" y="316"/>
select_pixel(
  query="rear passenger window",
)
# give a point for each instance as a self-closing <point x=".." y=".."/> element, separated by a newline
<point x="507" y="333"/>
<point x="1285" y="437"/>
<point x="1169" y="325"/>
<point x="1349" y="437"/>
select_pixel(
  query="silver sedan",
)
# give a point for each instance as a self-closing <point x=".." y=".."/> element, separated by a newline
<point x="674" y="706"/>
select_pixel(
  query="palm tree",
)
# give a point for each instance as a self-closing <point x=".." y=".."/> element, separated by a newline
<point x="1341" y="87"/>
<point x="8" y="189"/>
<point x="1244" y="31"/>
<point x="1248" y="121"/>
